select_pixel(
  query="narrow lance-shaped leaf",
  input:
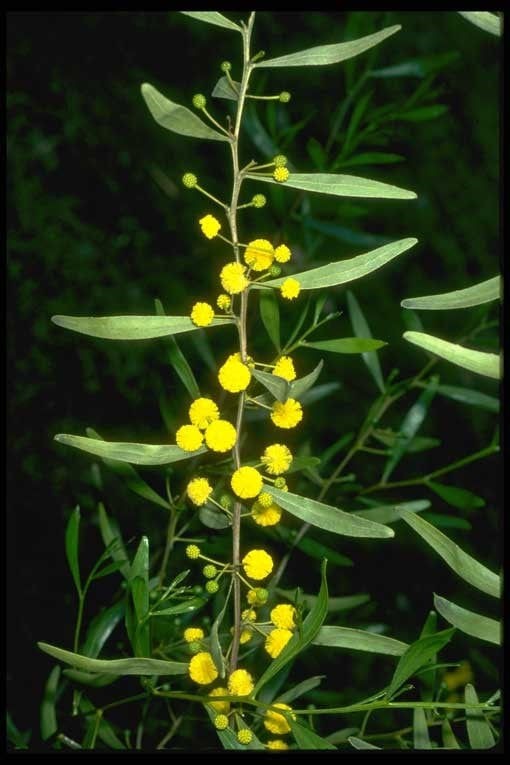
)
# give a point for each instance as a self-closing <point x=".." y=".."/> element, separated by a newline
<point x="338" y="185"/>
<point x="344" y="271"/>
<point x="489" y="22"/>
<point x="463" y="564"/>
<point x="391" y="513"/>
<point x="480" y="293"/>
<point x="109" y="533"/>
<point x="469" y="397"/>
<point x="270" y="315"/>
<point x="346" y="345"/>
<point x="300" y="689"/>
<point x="359" y="640"/>
<point x="100" y="629"/>
<point x="73" y="546"/>
<point x="138" y="454"/>
<point x="299" y="387"/>
<point x="328" y="517"/>
<point x="421" y="738"/>
<point x="139" y="587"/>
<point x="358" y="743"/>
<point x="479" y="731"/>
<point x="177" y="118"/>
<point x="456" y="496"/>
<point x="130" y="327"/>
<point x="276" y="385"/>
<point x="307" y="738"/>
<point x="416" y="656"/>
<point x="223" y="89"/>
<point x="179" y="361"/>
<point x="132" y="666"/>
<point x="48" y="716"/>
<point x="213" y="17"/>
<point x="473" y="624"/>
<point x="361" y="329"/>
<point x="487" y="364"/>
<point x="322" y="55"/>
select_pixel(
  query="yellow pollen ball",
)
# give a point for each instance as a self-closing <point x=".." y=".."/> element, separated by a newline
<point x="249" y="615"/>
<point x="277" y="743"/>
<point x="266" y="516"/>
<point x="277" y="458"/>
<point x="210" y="226"/>
<point x="259" y="254"/>
<point x="281" y="174"/>
<point x="202" y="668"/>
<point x="290" y="288"/>
<point x="288" y="414"/>
<point x="224" y="302"/>
<point x="202" y="314"/>
<point x="244" y="736"/>
<point x="202" y="412"/>
<point x="233" y="279"/>
<point x="276" y="641"/>
<point x="246" y="482"/>
<point x="282" y="253"/>
<point x="240" y="683"/>
<point x="193" y="633"/>
<point x="283" y="616"/>
<point x="234" y="376"/>
<point x="284" y="367"/>
<point x="246" y="636"/>
<point x="222" y="707"/>
<point x="275" y="722"/>
<point x="220" y="436"/>
<point x="189" y="438"/>
<point x="199" y="491"/>
<point x="257" y="564"/>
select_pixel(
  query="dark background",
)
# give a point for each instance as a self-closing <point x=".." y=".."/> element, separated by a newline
<point x="99" y="223"/>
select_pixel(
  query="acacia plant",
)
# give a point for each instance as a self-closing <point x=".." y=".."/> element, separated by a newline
<point x="236" y="674"/>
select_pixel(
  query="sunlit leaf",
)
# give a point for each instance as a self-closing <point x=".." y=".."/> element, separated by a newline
<point x="213" y="17"/>
<point x="346" y="345"/>
<point x="138" y="454"/>
<point x="463" y="564"/>
<point x="73" y="546"/>
<point x="302" y="384"/>
<point x="330" y="54"/>
<point x="478" y="729"/>
<point x="223" y="89"/>
<point x="338" y="185"/>
<point x="359" y="640"/>
<point x="177" y="118"/>
<point x="449" y="740"/>
<point x="487" y="364"/>
<point x="416" y="656"/>
<point x="132" y="666"/>
<point x="361" y="329"/>
<point x="276" y="385"/>
<point x="489" y="22"/>
<point x="480" y="293"/>
<point x="473" y="624"/>
<point x="421" y="738"/>
<point x="130" y="327"/>
<point x="139" y="587"/>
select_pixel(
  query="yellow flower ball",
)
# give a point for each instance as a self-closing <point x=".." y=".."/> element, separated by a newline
<point x="282" y="253"/>
<point x="288" y="414"/>
<point x="259" y="254"/>
<point x="284" y="367"/>
<point x="222" y="707"/>
<point x="193" y="633"/>
<point x="265" y="499"/>
<point x="290" y="288"/>
<point x="189" y="438"/>
<point x="221" y="722"/>
<point x="234" y="376"/>
<point x="246" y="482"/>
<point x="266" y="516"/>
<point x="249" y="615"/>
<point x="244" y="736"/>
<point x="276" y="641"/>
<point x="240" y="683"/>
<point x="224" y="302"/>
<point x="277" y="743"/>
<point x="283" y="616"/>
<point x="202" y="314"/>
<point x="210" y="226"/>
<point x="257" y="564"/>
<point x="246" y="636"/>
<point x="233" y="279"/>
<point x="277" y="459"/>
<point x="220" y="436"/>
<point x="275" y="722"/>
<point x="193" y="552"/>
<point x="281" y="174"/>
<point x="199" y="490"/>
<point x="202" y="668"/>
<point x="202" y="412"/>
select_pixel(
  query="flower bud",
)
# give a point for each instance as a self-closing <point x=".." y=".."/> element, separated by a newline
<point x="259" y="200"/>
<point x="199" y="101"/>
<point x="281" y="483"/>
<point x="226" y="501"/>
<point x="280" y="160"/>
<point x="284" y="97"/>
<point x="194" y="647"/>
<point x="209" y="571"/>
<point x="212" y="587"/>
<point x="275" y="270"/>
<point x="262" y="595"/>
<point x="193" y="552"/>
<point x="226" y="66"/>
<point x="189" y="180"/>
<point x="221" y="722"/>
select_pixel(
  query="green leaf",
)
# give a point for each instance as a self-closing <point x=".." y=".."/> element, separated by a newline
<point x="411" y="423"/>
<point x="371" y="158"/>
<point x="213" y="518"/>
<point x="417" y="67"/>
<point x="423" y="113"/>
<point x="186" y="607"/>
<point x="342" y="603"/>
<point x="302" y="384"/>
<point x="359" y="640"/>
<point x="300" y="689"/>
<point x="348" y="270"/>
<point x="130" y="477"/>
<point x="270" y="315"/>
<point x="361" y="329"/>
<point x="303" y="637"/>
<point x="330" y="54"/>
<point x="303" y="463"/>
<point x="223" y="89"/>
<point x="455" y="496"/>
<point x="346" y="345"/>
<point x="480" y="293"/>
<point x="73" y="545"/>
<point x="216" y="652"/>
<point x="416" y="656"/>
<point x="18" y="739"/>
<point x="229" y="739"/>
<point x="391" y="513"/>
<point x="315" y="549"/>
<point x="131" y="666"/>
<point x="178" y="360"/>
<point x="110" y="568"/>
<point x="48" y="715"/>
<point x="487" y="364"/>
<point x="449" y="740"/>
<point x="139" y="587"/>
<point x="276" y="385"/>
<point x="328" y="517"/>
<point x="104" y="730"/>
<point x="471" y="623"/>
<point x="177" y="118"/>
<point x="306" y="738"/>
<point x="469" y="396"/>
<point x="138" y="454"/>
<point x="447" y="521"/>
<point x="213" y="17"/>
<point x="489" y="22"/>
<point x="109" y="534"/>
<point x="338" y="185"/>
<point x="463" y="564"/>
<point x="358" y="743"/>
<point x="421" y="738"/>
<point x="90" y="679"/>
<point x="130" y="327"/>
<point x="478" y="729"/>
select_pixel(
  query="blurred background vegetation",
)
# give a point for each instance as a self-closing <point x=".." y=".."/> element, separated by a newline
<point x="99" y="223"/>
